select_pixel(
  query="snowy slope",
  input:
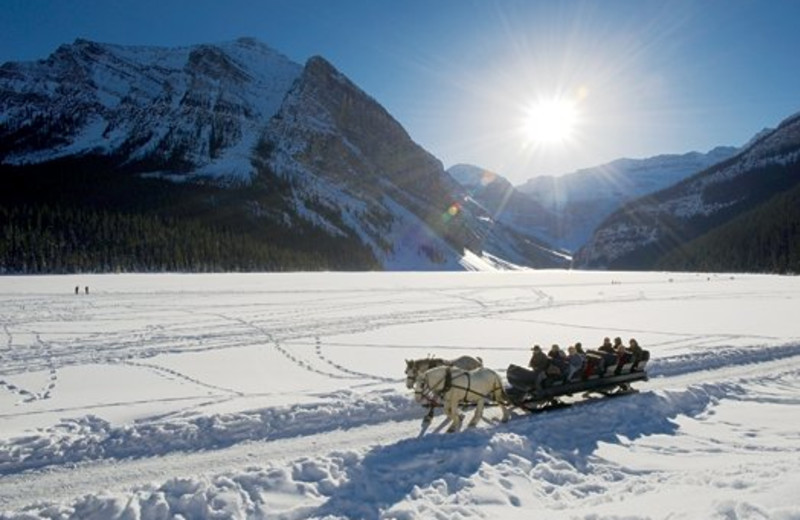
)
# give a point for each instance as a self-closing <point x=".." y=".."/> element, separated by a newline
<point x="355" y="169"/>
<point x="582" y="199"/>
<point x="517" y="227"/>
<point x="623" y="179"/>
<point x="281" y="396"/>
<point x="503" y="202"/>
<point x="636" y="236"/>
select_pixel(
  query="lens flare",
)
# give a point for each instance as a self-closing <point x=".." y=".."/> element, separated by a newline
<point x="451" y="212"/>
<point x="487" y="178"/>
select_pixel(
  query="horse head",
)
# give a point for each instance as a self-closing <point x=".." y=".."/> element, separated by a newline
<point x="416" y="367"/>
<point x="426" y="384"/>
<point x="411" y="373"/>
<point x="419" y="389"/>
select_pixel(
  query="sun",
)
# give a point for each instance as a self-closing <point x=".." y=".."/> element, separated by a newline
<point x="550" y="121"/>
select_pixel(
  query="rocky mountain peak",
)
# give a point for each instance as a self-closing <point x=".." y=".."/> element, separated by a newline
<point x="195" y="111"/>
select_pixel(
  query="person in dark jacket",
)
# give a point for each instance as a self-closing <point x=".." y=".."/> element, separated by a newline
<point x="538" y="363"/>
<point x="606" y="347"/>
<point x="609" y="355"/>
<point x="557" y="360"/>
<point x="635" y="351"/>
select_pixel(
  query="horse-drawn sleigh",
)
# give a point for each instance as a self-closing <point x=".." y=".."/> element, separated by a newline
<point x="453" y="383"/>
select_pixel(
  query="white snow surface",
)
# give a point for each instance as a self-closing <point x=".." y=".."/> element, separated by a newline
<point x="281" y="396"/>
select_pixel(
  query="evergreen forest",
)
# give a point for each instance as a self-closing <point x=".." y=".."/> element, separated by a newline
<point x="71" y="216"/>
<point x="765" y="240"/>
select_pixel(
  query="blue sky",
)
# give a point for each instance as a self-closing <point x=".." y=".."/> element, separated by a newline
<point x="645" y="77"/>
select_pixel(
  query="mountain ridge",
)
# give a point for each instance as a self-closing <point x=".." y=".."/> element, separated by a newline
<point x="647" y="229"/>
<point x="145" y="104"/>
<point x="239" y="137"/>
<point x="582" y="199"/>
<point x="564" y="211"/>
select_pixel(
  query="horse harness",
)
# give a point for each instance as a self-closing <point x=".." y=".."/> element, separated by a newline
<point x="432" y="395"/>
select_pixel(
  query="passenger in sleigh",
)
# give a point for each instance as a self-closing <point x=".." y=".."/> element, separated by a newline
<point x="600" y="358"/>
<point x="595" y="364"/>
<point x="576" y="361"/>
<point x="623" y="356"/>
<point x="559" y="360"/>
<point x="539" y="363"/>
<point x="638" y="354"/>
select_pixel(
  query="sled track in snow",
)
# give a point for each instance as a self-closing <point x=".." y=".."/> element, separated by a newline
<point x="123" y="458"/>
<point x="78" y="441"/>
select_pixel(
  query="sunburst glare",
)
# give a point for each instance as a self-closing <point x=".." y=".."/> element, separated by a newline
<point x="551" y="121"/>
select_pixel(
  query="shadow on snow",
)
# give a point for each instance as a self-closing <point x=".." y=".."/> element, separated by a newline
<point x="388" y="474"/>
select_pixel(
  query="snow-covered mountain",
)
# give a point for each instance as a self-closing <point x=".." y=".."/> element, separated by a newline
<point x="313" y="149"/>
<point x="582" y="199"/>
<point x="643" y="231"/>
<point x="191" y="111"/>
<point x="509" y="210"/>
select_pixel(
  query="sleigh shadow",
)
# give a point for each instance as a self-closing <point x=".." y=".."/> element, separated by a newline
<point x="389" y="474"/>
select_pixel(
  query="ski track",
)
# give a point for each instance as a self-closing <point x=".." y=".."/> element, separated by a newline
<point x="85" y="455"/>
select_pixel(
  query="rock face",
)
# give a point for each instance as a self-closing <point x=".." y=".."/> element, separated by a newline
<point x="349" y="158"/>
<point x="644" y="231"/>
<point x="298" y="147"/>
<point x="186" y="112"/>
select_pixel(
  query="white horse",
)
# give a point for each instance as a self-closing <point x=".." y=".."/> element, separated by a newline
<point x="454" y="386"/>
<point x="416" y="367"/>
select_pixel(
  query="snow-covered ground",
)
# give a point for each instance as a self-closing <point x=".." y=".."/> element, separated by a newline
<point x="282" y="396"/>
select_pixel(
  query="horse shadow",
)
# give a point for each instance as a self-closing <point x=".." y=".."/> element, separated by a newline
<point x="389" y="474"/>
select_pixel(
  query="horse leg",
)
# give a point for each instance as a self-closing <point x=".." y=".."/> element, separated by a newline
<point x="501" y="399"/>
<point x="451" y="408"/>
<point x="429" y="416"/>
<point x="505" y="411"/>
<point x="478" y="415"/>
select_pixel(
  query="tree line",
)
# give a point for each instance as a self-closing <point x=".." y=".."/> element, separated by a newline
<point x="87" y="215"/>
<point x="47" y="239"/>
<point x="765" y="240"/>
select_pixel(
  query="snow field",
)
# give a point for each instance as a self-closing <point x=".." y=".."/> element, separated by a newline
<point x="282" y="396"/>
